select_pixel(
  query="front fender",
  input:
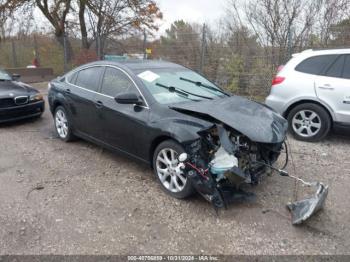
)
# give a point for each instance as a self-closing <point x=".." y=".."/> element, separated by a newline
<point x="180" y="130"/>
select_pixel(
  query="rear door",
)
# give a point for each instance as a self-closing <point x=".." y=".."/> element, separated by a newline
<point x="82" y="95"/>
<point x="122" y="126"/>
<point x="333" y="88"/>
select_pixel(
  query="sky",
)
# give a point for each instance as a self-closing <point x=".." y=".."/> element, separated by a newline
<point x="199" y="11"/>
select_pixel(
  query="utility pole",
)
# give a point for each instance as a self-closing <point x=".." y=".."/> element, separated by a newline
<point x="65" y="67"/>
<point x="203" y="46"/>
<point x="14" y="55"/>
<point x="144" y="44"/>
<point x="36" y="51"/>
<point x="289" y="42"/>
<point x="98" y="45"/>
<point x="65" y="52"/>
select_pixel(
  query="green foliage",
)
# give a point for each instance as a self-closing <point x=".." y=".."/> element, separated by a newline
<point x="234" y="68"/>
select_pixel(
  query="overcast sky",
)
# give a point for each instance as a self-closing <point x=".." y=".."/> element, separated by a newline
<point x="200" y="11"/>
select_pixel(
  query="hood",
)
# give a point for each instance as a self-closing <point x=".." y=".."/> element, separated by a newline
<point x="254" y="120"/>
<point x="16" y="88"/>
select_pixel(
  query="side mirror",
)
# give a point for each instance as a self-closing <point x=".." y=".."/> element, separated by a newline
<point x="15" y="77"/>
<point x="128" y="98"/>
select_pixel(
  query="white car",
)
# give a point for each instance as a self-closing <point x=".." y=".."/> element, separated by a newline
<point x="312" y="91"/>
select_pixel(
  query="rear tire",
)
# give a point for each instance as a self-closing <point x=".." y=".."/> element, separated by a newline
<point x="63" y="126"/>
<point x="175" y="184"/>
<point x="309" y="122"/>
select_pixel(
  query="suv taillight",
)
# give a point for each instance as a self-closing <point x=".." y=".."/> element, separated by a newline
<point x="279" y="69"/>
<point x="277" y="80"/>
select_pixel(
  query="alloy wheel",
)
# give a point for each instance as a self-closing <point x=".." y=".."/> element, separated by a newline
<point x="61" y="123"/>
<point x="306" y="123"/>
<point x="169" y="173"/>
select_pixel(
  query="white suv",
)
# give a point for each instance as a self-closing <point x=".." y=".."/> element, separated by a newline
<point x="313" y="92"/>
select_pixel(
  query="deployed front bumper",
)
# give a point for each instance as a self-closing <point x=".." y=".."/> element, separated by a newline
<point x="15" y="113"/>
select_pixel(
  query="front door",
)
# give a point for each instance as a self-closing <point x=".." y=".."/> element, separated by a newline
<point x="334" y="88"/>
<point x="122" y="126"/>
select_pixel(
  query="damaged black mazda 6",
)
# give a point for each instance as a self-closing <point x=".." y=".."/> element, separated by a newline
<point x="195" y="136"/>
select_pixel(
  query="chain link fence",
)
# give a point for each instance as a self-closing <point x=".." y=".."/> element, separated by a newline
<point x="243" y="67"/>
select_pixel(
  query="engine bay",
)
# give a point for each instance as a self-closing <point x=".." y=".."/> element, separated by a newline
<point x="222" y="160"/>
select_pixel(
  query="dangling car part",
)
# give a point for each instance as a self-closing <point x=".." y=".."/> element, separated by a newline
<point x="303" y="209"/>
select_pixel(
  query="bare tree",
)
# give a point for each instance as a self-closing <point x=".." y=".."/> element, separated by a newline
<point x="331" y="13"/>
<point x="273" y="22"/>
<point x="101" y="19"/>
<point x="9" y="21"/>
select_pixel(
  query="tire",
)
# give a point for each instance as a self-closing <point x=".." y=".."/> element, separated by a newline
<point x="171" y="182"/>
<point x="62" y="124"/>
<point x="309" y="122"/>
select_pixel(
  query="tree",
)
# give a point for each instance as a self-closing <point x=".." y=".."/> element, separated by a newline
<point x="55" y="11"/>
<point x="332" y="14"/>
<point x="8" y="18"/>
<point x="96" y="19"/>
<point x="339" y="33"/>
<point x="182" y="44"/>
<point x="111" y="18"/>
<point x="274" y="22"/>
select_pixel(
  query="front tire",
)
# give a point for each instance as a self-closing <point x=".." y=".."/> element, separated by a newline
<point x="309" y="122"/>
<point x="172" y="180"/>
<point x="62" y="124"/>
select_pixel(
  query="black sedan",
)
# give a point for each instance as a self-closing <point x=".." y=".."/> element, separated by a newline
<point x="18" y="100"/>
<point x="195" y="135"/>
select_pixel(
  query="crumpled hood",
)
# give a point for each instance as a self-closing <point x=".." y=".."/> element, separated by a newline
<point x="256" y="121"/>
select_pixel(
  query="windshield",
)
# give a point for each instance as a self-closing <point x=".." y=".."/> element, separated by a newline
<point x="167" y="85"/>
<point x="4" y="75"/>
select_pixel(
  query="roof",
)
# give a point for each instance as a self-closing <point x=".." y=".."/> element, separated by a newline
<point x="327" y="51"/>
<point x="137" y="64"/>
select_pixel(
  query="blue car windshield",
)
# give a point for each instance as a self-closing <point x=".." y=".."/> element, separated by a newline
<point x="4" y="75"/>
<point x="173" y="85"/>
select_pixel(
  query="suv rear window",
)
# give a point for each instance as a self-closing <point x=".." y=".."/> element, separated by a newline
<point x="346" y="72"/>
<point x="336" y="68"/>
<point x="316" y="64"/>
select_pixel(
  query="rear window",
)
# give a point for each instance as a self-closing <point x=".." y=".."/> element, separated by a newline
<point x="89" y="78"/>
<point x="316" y="65"/>
<point x="336" y="68"/>
<point x="72" y="78"/>
<point x="346" y="72"/>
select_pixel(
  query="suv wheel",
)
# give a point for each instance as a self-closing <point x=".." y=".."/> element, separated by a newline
<point x="62" y="125"/>
<point x="309" y="122"/>
<point x="165" y="164"/>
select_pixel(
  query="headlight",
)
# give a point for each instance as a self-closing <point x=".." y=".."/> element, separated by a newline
<point x="36" y="97"/>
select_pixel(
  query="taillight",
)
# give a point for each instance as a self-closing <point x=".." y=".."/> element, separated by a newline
<point x="277" y="80"/>
<point x="279" y="69"/>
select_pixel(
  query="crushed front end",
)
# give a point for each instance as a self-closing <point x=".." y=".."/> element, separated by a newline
<point x="243" y="144"/>
<point x="222" y="159"/>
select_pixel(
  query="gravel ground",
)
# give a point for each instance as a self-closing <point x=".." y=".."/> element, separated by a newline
<point x="92" y="201"/>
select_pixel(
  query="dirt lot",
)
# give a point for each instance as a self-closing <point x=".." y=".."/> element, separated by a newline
<point x="96" y="202"/>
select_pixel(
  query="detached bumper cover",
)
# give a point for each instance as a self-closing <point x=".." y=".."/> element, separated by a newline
<point x="303" y="209"/>
<point x="21" y="112"/>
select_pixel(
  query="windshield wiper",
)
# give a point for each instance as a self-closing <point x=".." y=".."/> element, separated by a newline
<point x="198" y="83"/>
<point x="180" y="91"/>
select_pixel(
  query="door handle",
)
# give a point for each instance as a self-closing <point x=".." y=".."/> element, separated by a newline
<point x="99" y="104"/>
<point x="326" y="87"/>
<point x="67" y="91"/>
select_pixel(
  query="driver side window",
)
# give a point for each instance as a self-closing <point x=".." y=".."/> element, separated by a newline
<point x="116" y="82"/>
